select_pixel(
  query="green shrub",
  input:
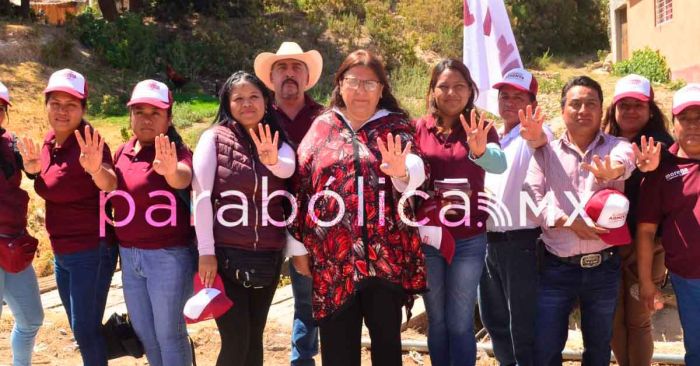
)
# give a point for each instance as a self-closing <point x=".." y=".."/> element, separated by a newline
<point x="542" y="62"/>
<point x="125" y="133"/>
<point x="112" y="106"/>
<point x="676" y="84"/>
<point x="57" y="51"/>
<point x="563" y="26"/>
<point x="435" y="28"/>
<point x="646" y="62"/>
<point x="385" y="33"/>
<point x="550" y="84"/>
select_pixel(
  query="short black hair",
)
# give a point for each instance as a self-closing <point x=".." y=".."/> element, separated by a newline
<point x="581" y="81"/>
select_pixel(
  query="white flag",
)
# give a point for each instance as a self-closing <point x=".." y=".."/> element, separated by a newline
<point x="489" y="47"/>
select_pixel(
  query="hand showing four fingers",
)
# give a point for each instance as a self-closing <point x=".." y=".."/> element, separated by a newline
<point x="91" y="150"/>
<point x="393" y="157"/>
<point x="31" y="155"/>
<point x="266" y="144"/>
<point x="531" y="123"/>
<point x="477" y="133"/>
<point x="649" y="155"/>
<point x="603" y="170"/>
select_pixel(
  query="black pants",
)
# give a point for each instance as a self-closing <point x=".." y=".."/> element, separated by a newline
<point x="241" y="328"/>
<point x="380" y="307"/>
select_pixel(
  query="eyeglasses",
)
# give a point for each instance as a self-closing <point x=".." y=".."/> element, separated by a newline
<point x="368" y="85"/>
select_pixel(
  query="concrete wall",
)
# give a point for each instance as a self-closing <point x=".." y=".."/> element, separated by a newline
<point x="678" y="39"/>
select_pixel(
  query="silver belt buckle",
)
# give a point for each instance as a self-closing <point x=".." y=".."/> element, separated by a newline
<point x="591" y="260"/>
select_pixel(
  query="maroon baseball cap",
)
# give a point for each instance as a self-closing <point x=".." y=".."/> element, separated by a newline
<point x="608" y="208"/>
<point x="207" y="303"/>
<point x="521" y="79"/>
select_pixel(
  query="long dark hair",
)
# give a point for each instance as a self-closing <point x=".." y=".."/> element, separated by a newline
<point x="438" y="69"/>
<point x="224" y="116"/>
<point x="370" y="60"/>
<point x="657" y="123"/>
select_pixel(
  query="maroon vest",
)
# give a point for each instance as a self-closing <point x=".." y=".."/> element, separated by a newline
<point x="13" y="200"/>
<point x="239" y="174"/>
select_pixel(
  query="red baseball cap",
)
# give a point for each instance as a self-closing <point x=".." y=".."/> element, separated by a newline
<point x="608" y="208"/>
<point x="633" y="86"/>
<point x="520" y="79"/>
<point x="207" y="303"/>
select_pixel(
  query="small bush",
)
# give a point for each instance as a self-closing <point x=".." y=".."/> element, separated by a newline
<point x="676" y="84"/>
<point x="125" y="133"/>
<point x="549" y="85"/>
<point x="646" y="62"/>
<point x="542" y="62"/>
<point x="112" y="106"/>
<point x="57" y="51"/>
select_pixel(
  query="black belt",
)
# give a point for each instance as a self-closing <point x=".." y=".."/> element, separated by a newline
<point x="495" y="236"/>
<point x="588" y="260"/>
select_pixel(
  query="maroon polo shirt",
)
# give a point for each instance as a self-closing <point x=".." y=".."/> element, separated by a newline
<point x="296" y="128"/>
<point x="135" y="176"/>
<point x="670" y="197"/>
<point x="72" y="198"/>
<point x="448" y="157"/>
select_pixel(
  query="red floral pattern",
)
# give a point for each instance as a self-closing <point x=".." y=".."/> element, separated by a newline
<point x="332" y="157"/>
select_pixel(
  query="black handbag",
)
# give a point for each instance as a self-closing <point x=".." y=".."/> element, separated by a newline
<point x="249" y="268"/>
<point x="120" y="338"/>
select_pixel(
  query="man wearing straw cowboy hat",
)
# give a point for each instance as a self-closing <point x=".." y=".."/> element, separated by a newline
<point x="289" y="73"/>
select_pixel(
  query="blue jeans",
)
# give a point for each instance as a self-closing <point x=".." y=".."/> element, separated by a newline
<point x="157" y="283"/>
<point x="304" y="331"/>
<point x="688" y="295"/>
<point x="450" y="301"/>
<point x="506" y="300"/>
<point x="83" y="280"/>
<point x="560" y="286"/>
<point x="21" y="293"/>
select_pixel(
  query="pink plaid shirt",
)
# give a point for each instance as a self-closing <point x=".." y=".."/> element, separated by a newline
<point x="555" y="170"/>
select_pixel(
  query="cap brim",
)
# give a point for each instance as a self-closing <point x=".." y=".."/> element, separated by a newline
<point x="151" y="101"/>
<point x="618" y="236"/>
<point x="680" y="108"/>
<point x="312" y="59"/>
<point x="6" y="101"/>
<point x="65" y="90"/>
<point x="516" y="86"/>
<point x="635" y="95"/>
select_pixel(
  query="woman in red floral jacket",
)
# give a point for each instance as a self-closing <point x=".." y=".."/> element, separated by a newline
<point x="364" y="259"/>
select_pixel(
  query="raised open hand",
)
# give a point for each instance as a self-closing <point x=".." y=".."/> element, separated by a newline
<point x="31" y="155"/>
<point x="649" y="156"/>
<point x="165" y="162"/>
<point x="603" y="171"/>
<point x="531" y="124"/>
<point x="477" y="134"/>
<point x="266" y="144"/>
<point x="91" y="150"/>
<point x="393" y="158"/>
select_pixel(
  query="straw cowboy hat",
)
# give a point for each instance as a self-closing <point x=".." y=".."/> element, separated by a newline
<point x="312" y="59"/>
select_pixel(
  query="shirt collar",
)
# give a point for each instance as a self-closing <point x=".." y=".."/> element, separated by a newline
<point x="510" y="136"/>
<point x="597" y="140"/>
<point x="50" y="138"/>
<point x="308" y="104"/>
<point x="377" y="115"/>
